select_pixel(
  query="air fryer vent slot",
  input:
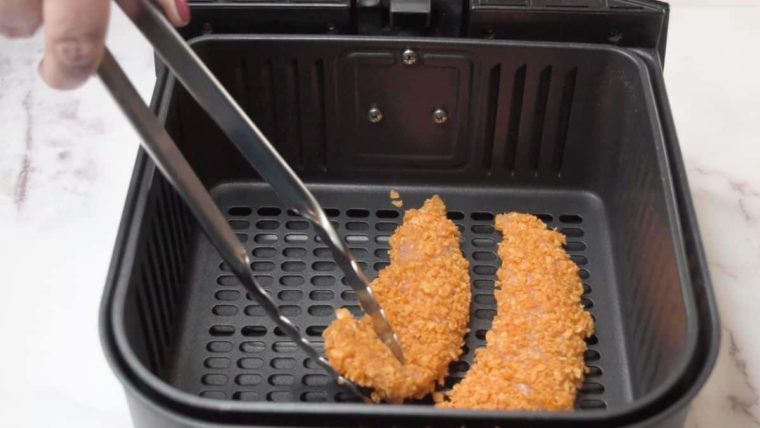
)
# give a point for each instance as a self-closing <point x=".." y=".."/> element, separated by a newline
<point x="159" y="276"/>
<point x="528" y="138"/>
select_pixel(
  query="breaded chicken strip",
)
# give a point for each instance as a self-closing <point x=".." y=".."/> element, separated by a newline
<point x="533" y="359"/>
<point x="425" y="292"/>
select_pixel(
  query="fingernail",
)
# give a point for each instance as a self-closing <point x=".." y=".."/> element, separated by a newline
<point x="76" y="53"/>
<point x="183" y="10"/>
<point x="68" y="63"/>
<point x="6" y="31"/>
<point x="16" y="31"/>
<point x="57" y="79"/>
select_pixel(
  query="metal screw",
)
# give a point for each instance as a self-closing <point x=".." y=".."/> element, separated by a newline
<point x="440" y="116"/>
<point x="409" y="57"/>
<point x="375" y="115"/>
<point x="330" y="27"/>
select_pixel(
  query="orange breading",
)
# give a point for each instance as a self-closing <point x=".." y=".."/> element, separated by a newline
<point x="533" y="359"/>
<point x="396" y="198"/>
<point x="425" y="292"/>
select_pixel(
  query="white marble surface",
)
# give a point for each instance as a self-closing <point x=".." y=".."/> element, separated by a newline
<point x="66" y="159"/>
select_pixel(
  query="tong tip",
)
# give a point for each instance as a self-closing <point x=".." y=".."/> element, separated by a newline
<point x="395" y="347"/>
<point x="386" y="334"/>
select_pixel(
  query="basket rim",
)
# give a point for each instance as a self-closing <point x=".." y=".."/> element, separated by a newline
<point x="138" y="379"/>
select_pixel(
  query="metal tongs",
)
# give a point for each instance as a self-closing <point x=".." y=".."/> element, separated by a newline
<point x="255" y="147"/>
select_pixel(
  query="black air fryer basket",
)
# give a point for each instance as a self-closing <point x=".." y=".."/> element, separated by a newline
<point x="551" y="107"/>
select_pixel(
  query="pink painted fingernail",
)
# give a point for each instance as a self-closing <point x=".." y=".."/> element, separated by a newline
<point x="183" y="10"/>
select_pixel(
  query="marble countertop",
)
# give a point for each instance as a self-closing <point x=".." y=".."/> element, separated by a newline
<point x="66" y="160"/>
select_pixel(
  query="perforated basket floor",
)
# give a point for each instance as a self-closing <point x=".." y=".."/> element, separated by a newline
<point x="228" y="349"/>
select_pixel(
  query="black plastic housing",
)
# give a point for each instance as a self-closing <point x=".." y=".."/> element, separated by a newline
<point x="627" y="23"/>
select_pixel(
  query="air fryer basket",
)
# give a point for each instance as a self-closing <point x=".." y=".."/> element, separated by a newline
<point x="569" y="132"/>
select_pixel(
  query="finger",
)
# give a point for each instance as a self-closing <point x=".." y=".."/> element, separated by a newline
<point x="20" y="18"/>
<point x="74" y="40"/>
<point x="177" y="11"/>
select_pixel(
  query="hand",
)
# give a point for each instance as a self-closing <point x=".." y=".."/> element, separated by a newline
<point x="74" y="33"/>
